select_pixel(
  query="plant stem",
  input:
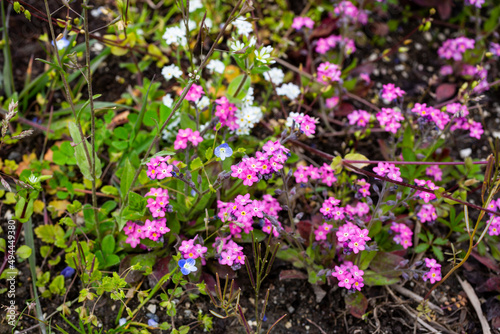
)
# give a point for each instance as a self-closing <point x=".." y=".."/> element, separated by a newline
<point x="92" y="116"/>
<point x="30" y="242"/>
<point x="181" y="98"/>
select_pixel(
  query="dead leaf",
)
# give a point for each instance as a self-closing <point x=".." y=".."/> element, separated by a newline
<point x="25" y="164"/>
<point x="292" y="274"/>
<point x="445" y="91"/>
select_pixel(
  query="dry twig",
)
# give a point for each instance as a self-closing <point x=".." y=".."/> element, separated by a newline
<point x="469" y="290"/>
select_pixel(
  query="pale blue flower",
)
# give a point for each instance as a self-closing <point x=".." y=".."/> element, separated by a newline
<point x="61" y="44"/>
<point x="223" y="151"/>
<point x="187" y="266"/>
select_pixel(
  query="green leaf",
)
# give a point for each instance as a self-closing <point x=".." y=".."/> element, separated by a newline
<point x="356" y="156"/>
<point x="365" y="259"/>
<point x="126" y="178"/>
<point x="438" y="252"/>
<point x="421" y="248"/>
<point x="233" y="87"/>
<point x="108" y="245"/>
<point x="2" y="245"/>
<point x="196" y="164"/>
<point x="372" y="278"/>
<point x="357" y="304"/>
<point x="24" y="252"/>
<point x="336" y="164"/>
<point x="110" y="190"/>
<point x="408" y="138"/>
<point x="440" y="241"/>
<point x="50" y="234"/>
<point x="112" y="260"/>
<point x="80" y="155"/>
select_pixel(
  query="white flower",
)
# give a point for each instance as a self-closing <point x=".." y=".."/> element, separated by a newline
<point x="289" y="90"/>
<point x="208" y="23"/>
<point x="216" y="66"/>
<point x="171" y="71"/>
<point x="247" y="117"/>
<point x="168" y="101"/>
<point x="248" y="99"/>
<point x="242" y="131"/>
<point x="194" y="5"/>
<point x="33" y="179"/>
<point x="237" y="46"/>
<point x="203" y="103"/>
<point x="275" y="75"/>
<point x="264" y="55"/>
<point x="252" y="41"/>
<point x="191" y="24"/>
<point x="244" y="27"/>
<point x="291" y="118"/>
<point x="175" y="35"/>
<point x="170" y="133"/>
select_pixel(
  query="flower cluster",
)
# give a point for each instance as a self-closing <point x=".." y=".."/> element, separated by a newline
<point x="240" y="214"/>
<point x="477" y="3"/>
<point x="175" y="35"/>
<point x="321" y="233"/>
<point x="158" y="168"/>
<point x="289" y="90"/>
<point x="435" y="172"/>
<point x="326" y="44"/>
<point x="363" y="188"/>
<point x="495" y="49"/>
<point x="246" y="118"/>
<point x="455" y="48"/>
<point x="185" y="135"/>
<point x="275" y="75"/>
<point x="352" y="238"/>
<point x="331" y="210"/>
<point x="152" y="229"/>
<point x="388" y="170"/>
<point x="359" y="118"/>
<point x="434" y="273"/>
<point x="243" y="27"/>
<point x="305" y="123"/>
<point x="194" y="93"/>
<point x="229" y="252"/>
<point x="390" y="119"/>
<point x="328" y="73"/>
<point x="266" y="162"/>
<point x="158" y="202"/>
<point x="390" y="92"/>
<point x="403" y="234"/>
<point x="427" y="213"/>
<point x="427" y="197"/>
<point x="324" y="173"/>
<point x="432" y="114"/>
<point x="494" y="228"/>
<point x="225" y="111"/>
<point x="347" y="11"/>
<point x="475" y="128"/>
<point x="300" y="22"/>
<point x="190" y="250"/>
<point x="171" y="71"/>
<point x="361" y="210"/>
<point x="349" y="276"/>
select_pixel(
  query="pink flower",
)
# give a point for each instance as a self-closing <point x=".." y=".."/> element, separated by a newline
<point x="435" y="172"/>
<point x="194" y="93"/>
<point x="299" y="22"/>
<point x="332" y="102"/>
<point x="195" y="138"/>
<point x="391" y="92"/>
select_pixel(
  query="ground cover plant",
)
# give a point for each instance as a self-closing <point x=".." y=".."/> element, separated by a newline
<point x="188" y="166"/>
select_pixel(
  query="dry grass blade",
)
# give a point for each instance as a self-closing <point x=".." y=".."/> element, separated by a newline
<point x="469" y="290"/>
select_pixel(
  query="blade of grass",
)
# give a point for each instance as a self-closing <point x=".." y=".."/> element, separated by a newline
<point x="8" y="76"/>
<point x="30" y="242"/>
